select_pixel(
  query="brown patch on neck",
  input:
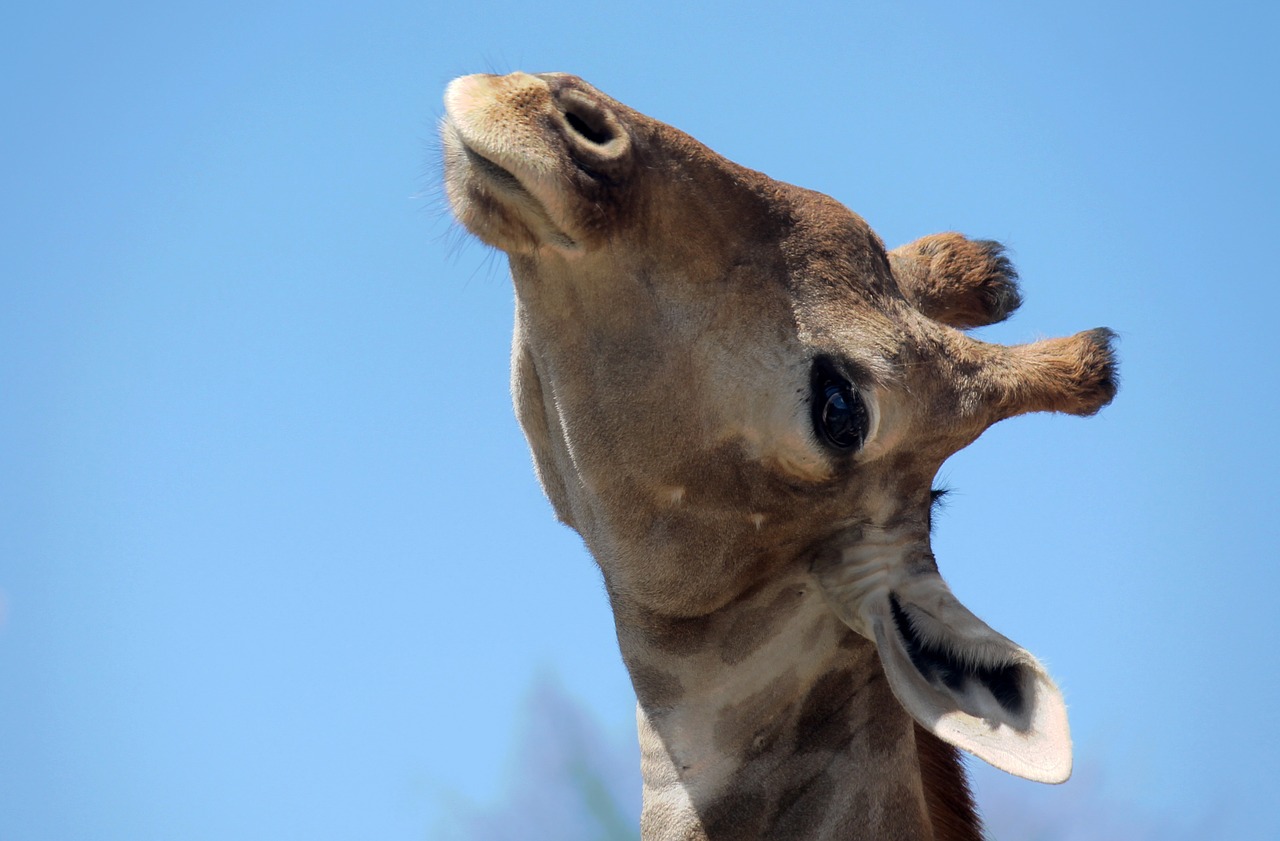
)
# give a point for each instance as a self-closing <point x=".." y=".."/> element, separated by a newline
<point x="946" y="790"/>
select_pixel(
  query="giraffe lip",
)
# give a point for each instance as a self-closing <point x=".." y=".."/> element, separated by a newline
<point x="488" y="169"/>
<point x="483" y="178"/>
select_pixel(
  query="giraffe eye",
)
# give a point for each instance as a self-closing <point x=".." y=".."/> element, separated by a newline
<point x="839" y="413"/>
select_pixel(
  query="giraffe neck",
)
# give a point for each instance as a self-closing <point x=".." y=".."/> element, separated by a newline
<point x="770" y="719"/>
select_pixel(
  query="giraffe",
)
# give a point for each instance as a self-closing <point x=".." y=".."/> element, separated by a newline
<point x="739" y="400"/>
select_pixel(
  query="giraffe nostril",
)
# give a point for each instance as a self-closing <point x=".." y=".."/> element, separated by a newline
<point x="589" y="126"/>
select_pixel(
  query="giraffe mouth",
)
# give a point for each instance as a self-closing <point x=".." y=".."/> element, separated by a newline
<point x="491" y="172"/>
<point x="487" y="184"/>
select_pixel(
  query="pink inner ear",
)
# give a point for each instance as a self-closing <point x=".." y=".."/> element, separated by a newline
<point x="971" y="686"/>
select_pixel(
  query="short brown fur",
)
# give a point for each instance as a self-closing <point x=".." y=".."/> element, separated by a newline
<point x="739" y="399"/>
<point x="946" y="790"/>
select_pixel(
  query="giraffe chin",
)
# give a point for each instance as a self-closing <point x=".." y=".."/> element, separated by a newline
<point x="968" y="684"/>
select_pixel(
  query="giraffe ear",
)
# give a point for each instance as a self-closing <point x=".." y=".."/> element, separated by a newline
<point x="969" y="685"/>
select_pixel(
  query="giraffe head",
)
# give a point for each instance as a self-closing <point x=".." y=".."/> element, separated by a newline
<point x="725" y="379"/>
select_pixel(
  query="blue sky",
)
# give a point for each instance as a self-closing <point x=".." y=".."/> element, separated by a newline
<point x="273" y="563"/>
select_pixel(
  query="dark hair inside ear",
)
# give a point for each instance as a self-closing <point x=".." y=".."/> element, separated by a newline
<point x="942" y="667"/>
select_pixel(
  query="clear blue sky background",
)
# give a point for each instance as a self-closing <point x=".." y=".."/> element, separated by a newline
<point x="273" y="564"/>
